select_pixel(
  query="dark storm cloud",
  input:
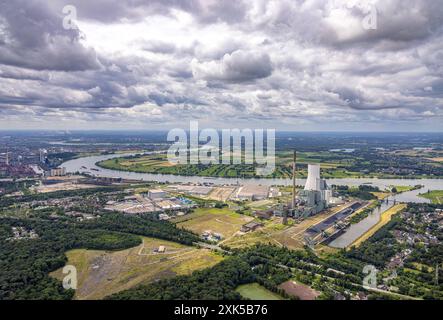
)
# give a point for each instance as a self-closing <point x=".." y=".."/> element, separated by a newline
<point x="351" y="97"/>
<point x="402" y="23"/>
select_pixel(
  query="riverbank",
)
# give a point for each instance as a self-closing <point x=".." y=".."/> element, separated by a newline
<point x="157" y="164"/>
<point x="384" y="219"/>
<point x="435" y="196"/>
<point x="88" y="165"/>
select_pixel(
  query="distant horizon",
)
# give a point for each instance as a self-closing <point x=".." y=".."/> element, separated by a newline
<point x="67" y="131"/>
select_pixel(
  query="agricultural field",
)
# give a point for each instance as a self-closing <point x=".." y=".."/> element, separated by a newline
<point x="326" y="158"/>
<point x="145" y="163"/>
<point x="254" y="291"/>
<point x="435" y="196"/>
<point x="101" y="273"/>
<point x="264" y="235"/>
<point x="332" y="164"/>
<point x="223" y="221"/>
<point x="335" y="164"/>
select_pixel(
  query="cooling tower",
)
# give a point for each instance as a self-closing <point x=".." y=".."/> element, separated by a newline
<point x="313" y="181"/>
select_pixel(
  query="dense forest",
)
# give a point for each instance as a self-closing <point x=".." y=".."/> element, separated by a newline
<point x="331" y="274"/>
<point x="142" y="225"/>
<point x="378" y="249"/>
<point x="267" y="265"/>
<point x="215" y="283"/>
<point x="15" y="186"/>
<point x="362" y="192"/>
<point x="25" y="264"/>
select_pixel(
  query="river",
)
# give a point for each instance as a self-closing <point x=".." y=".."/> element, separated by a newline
<point x="84" y="165"/>
<point x="356" y="230"/>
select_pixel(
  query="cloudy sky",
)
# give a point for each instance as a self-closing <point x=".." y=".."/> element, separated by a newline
<point x="287" y="64"/>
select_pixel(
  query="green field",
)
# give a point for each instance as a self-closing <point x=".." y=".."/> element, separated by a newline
<point x="401" y="189"/>
<point x="435" y="196"/>
<point x="223" y="221"/>
<point x="101" y="273"/>
<point x="333" y="166"/>
<point x="254" y="291"/>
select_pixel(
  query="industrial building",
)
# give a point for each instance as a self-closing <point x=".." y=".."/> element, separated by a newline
<point x="253" y="192"/>
<point x="251" y="226"/>
<point x="156" y="194"/>
<point x="261" y="214"/>
<point x="316" y="195"/>
<point x="43" y="155"/>
<point x="55" y="172"/>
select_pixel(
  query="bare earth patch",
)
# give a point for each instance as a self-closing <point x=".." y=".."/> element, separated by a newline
<point x="102" y="273"/>
<point x="301" y="291"/>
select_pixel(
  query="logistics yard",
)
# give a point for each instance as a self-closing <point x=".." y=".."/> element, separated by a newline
<point x="62" y="186"/>
<point x="155" y="200"/>
<point x="224" y="193"/>
<point x="101" y="273"/>
<point x="291" y="236"/>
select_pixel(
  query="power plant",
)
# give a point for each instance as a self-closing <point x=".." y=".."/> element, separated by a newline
<point x="315" y="197"/>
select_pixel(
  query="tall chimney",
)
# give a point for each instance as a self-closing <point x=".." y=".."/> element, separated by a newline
<point x="286" y="209"/>
<point x="294" y="163"/>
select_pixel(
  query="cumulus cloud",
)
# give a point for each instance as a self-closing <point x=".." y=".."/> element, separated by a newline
<point x="237" y="67"/>
<point x="292" y="64"/>
<point x="159" y="47"/>
<point x="32" y="36"/>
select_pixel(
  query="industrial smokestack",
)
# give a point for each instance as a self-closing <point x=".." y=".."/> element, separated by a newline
<point x="286" y="210"/>
<point x="313" y="181"/>
<point x="294" y="166"/>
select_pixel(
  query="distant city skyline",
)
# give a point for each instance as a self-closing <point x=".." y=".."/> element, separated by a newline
<point x="291" y="65"/>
